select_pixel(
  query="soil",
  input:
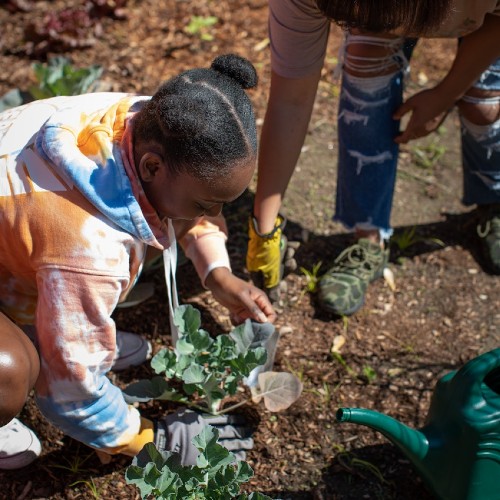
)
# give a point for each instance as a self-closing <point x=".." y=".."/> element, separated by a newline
<point x="443" y="311"/>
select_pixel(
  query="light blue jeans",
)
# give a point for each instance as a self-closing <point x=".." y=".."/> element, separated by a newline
<point x="368" y="155"/>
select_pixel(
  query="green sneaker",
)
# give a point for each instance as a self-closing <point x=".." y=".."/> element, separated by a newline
<point x="342" y="288"/>
<point x="489" y="232"/>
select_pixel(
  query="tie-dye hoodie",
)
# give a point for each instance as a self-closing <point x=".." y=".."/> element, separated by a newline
<point x="74" y="225"/>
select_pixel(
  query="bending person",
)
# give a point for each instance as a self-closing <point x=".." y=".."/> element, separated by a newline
<point x="379" y="39"/>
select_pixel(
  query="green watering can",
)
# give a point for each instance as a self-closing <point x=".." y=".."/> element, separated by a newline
<point x="457" y="452"/>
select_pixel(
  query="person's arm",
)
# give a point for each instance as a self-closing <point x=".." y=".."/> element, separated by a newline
<point x="203" y="241"/>
<point x="474" y="55"/>
<point x="285" y="125"/>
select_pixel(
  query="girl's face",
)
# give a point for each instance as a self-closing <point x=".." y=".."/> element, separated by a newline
<point x="183" y="196"/>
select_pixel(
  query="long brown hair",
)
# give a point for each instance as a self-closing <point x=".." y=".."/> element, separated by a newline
<point x="409" y="16"/>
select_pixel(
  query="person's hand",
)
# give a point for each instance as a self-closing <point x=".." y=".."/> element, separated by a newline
<point x="244" y="300"/>
<point x="428" y="110"/>
<point x="175" y="432"/>
<point x="269" y="256"/>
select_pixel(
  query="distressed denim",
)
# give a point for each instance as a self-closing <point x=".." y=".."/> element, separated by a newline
<point x="368" y="155"/>
<point x="481" y="147"/>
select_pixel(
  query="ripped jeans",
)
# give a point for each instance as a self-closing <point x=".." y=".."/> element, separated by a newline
<point x="368" y="155"/>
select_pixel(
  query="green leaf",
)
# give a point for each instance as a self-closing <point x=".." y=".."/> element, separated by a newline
<point x="59" y="77"/>
<point x="256" y="357"/>
<point x="193" y="375"/>
<point x="164" y="361"/>
<point x="243" y="336"/>
<point x="145" y="390"/>
<point x="187" y="319"/>
<point x="243" y="472"/>
<point x="183" y="346"/>
<point x="200" y="339"/>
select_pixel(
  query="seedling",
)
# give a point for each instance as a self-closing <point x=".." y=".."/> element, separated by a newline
<point x="216" y="475"/>
<point x="408" y="238"/>
<point x="199" y="26"/>
<point x="312" y="277"/>
<point x="340" y="359"/>
<point x="209" y="370"/>
<point x="94" y="491"/>
<point x="75" y="466"/>
<point x="369" y="373"/>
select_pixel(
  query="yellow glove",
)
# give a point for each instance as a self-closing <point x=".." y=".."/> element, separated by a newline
<point x="265" y="254"/>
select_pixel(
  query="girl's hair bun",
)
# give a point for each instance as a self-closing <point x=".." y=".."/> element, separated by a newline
<point x="238" y="68"/>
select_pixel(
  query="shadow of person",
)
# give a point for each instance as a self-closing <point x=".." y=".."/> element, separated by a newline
<point x="379" y="471"/>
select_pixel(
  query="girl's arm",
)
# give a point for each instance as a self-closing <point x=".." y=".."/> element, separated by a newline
<point x="474" y="55"/>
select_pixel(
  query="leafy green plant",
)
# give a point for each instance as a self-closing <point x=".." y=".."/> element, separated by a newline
<point x="199" y="26"/>
<point x="57" y="77"/>
<point x="404" y="240"/>
<point x="60" y="77"/>
<point x="208" y="370"/>
<point x="312" y="277"/>
<point x="216" y="475"/>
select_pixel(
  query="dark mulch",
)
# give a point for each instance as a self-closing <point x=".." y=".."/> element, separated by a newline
<point x="443" y="312"/>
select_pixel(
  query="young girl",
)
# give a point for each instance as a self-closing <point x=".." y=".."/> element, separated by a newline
<point x="379" y="38"/>
<point x="88" y="183"/>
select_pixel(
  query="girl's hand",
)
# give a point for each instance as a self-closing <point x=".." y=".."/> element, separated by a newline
<point x="428" y="110"/>
<point x="243" y="299"/>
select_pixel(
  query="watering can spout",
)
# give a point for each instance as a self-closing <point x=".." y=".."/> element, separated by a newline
<point x="413" y="443"/>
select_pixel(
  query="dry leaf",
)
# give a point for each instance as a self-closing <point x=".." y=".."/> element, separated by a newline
<point x="338" y="342"/>
<point x="279" y="390"/>
<point x="389" y="278"/>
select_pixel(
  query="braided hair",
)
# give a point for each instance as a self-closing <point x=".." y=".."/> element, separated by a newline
<point x="203" y="119"/>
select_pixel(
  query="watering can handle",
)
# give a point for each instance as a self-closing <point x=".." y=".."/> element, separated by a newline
<point x="475" y="371"/>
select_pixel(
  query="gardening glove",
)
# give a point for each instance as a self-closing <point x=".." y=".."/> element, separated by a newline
<point x="265" y="256"/>
<point x="175" y="431"/>
<point x="266" y="336"/>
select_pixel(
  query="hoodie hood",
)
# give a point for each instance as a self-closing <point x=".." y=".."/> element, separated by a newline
<point x="83" y="143"/>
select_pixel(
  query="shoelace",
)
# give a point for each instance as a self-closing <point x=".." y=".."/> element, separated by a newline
<point x="357" y="261"/>
<point x="490" y="226"/>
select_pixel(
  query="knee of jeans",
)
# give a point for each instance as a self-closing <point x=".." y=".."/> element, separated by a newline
<point x="480" y="107"/>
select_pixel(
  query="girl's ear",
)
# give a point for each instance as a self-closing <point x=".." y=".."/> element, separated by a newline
<point x="150" y="165"/>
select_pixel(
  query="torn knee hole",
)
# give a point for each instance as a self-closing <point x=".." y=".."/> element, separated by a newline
<point x="480" y="109"/>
